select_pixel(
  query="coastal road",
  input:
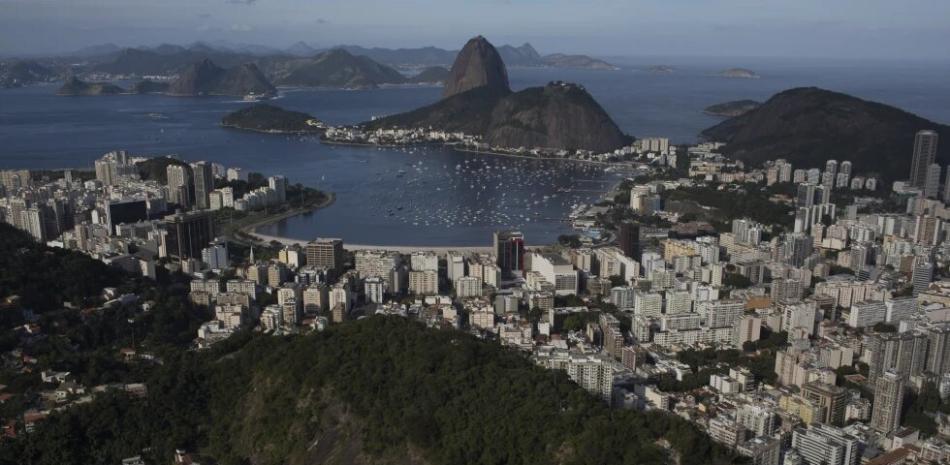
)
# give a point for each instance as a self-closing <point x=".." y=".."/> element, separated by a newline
<point x="403" y="249"/>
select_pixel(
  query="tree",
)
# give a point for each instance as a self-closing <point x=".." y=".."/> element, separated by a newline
<point x="736" y="281"/>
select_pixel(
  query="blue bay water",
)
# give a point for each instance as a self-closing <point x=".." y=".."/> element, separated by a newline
<point x="428" y="196"/>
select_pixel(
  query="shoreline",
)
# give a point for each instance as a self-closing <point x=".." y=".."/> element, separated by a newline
<point x="529" y="157"/>
<point x="247" y="230"/>
<point x="454" y="147"/>
<point x="272" y="131"/>
<point x="439" y="249"/>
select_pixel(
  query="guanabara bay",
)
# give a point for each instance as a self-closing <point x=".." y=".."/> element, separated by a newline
<point x="281" y="232"/>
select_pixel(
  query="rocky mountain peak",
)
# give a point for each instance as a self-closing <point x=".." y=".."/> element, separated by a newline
<point x="478" y="64"/>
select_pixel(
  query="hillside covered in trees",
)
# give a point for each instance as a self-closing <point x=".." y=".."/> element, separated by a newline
<point x="378" y="390"/>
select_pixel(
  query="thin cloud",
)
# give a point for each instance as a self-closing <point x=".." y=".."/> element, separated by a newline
<point x="241" y="2"/>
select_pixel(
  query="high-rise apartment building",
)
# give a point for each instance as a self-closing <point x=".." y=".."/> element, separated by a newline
<point x="325" y="253"/>
<point x="509" y="250"/>
<point x="932" y="181"/>
<point x="179" y="185"/>
<point x="630" y="240"/>
<point x="888" y="397"/>
<point x="925" y="153"/>
<point x="187" y="234"/>
<point x="204" y="184"/>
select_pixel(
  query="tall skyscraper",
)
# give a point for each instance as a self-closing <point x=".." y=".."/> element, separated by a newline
<point x="932" y="181"/>
<point x="831" y="401"/>
<point x="187" y="234"/>
<point x="327" y="253"/>
<point x="111" y="167"/>
<point x="903" y="353"/>
<point x="888" y="397"/>
<point x="797" y="248"/>
<point x="845" y="168"/>
<point x="922" y="275"/>
<point x="806" y="195"/>
<point x="831" y="166"/>
<point x="630" y="240"/>
<point x="938" y="348"/>
<point x="179" y="185"/>
<point x="204" y="184"/>
<point x="509" y="251"/>
<point x="279" y="184"/>
<point x="925" y="153"/>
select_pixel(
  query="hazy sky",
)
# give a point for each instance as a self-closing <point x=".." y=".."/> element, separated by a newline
<point x="885" y="29"/>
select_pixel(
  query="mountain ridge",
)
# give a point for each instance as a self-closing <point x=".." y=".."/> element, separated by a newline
<point x="808" y="125"/>
<point x="477" y="100"/>
<point x="206" y="78"/>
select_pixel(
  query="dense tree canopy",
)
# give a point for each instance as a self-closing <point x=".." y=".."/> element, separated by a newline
<point x="455" y="398"/>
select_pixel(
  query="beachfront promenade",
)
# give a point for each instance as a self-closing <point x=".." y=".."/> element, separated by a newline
<point x="404" y="249"/>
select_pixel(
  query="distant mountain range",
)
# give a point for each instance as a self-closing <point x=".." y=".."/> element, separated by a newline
<point x="521" y="56"/>
<point x="167" y="59"/>
<point x="206" y="78"/>
<point x="333" y="68"/>
<point x="477" y="100"/>
<point x="809" y="125"/>
<point x="24" y="72"/>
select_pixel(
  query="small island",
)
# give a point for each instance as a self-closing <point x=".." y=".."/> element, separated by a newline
<point x="272" y="119"/>
<point x="661" y="69"/>
<point x="739" y="73"/>
<point x="732" y="109"/>
<point x="560" y="60"/>
<point x="76" y="87"/>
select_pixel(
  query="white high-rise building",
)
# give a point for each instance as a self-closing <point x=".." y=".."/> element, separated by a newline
<point x="216" y="256"/>
<point x="374" y="287"/>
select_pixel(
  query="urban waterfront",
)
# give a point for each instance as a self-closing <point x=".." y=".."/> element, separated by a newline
<point x="432" y="202"/>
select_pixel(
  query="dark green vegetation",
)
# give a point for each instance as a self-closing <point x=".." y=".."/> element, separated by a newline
<point x="758" y="357"/>
<point x="155" y="169"/>
<point x="807" y="126"/>
<point x="46" y="277"/>
<point x="19" y="73"/>
<point x="270" y="118"/>
<point x="75" y="87"/>
<point x="383" y="388"/>
<point x="206" y="78"/>
<point x="732" y="109"/>
<point x="468" y="112"/>
<point x="750" y="201"/>
<point x="61" y="293"/>
<point x="920" y="408"/>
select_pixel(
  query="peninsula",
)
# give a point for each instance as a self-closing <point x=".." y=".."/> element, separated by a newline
<point x="74" y="87"/>
<point x="479" y="107"/>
